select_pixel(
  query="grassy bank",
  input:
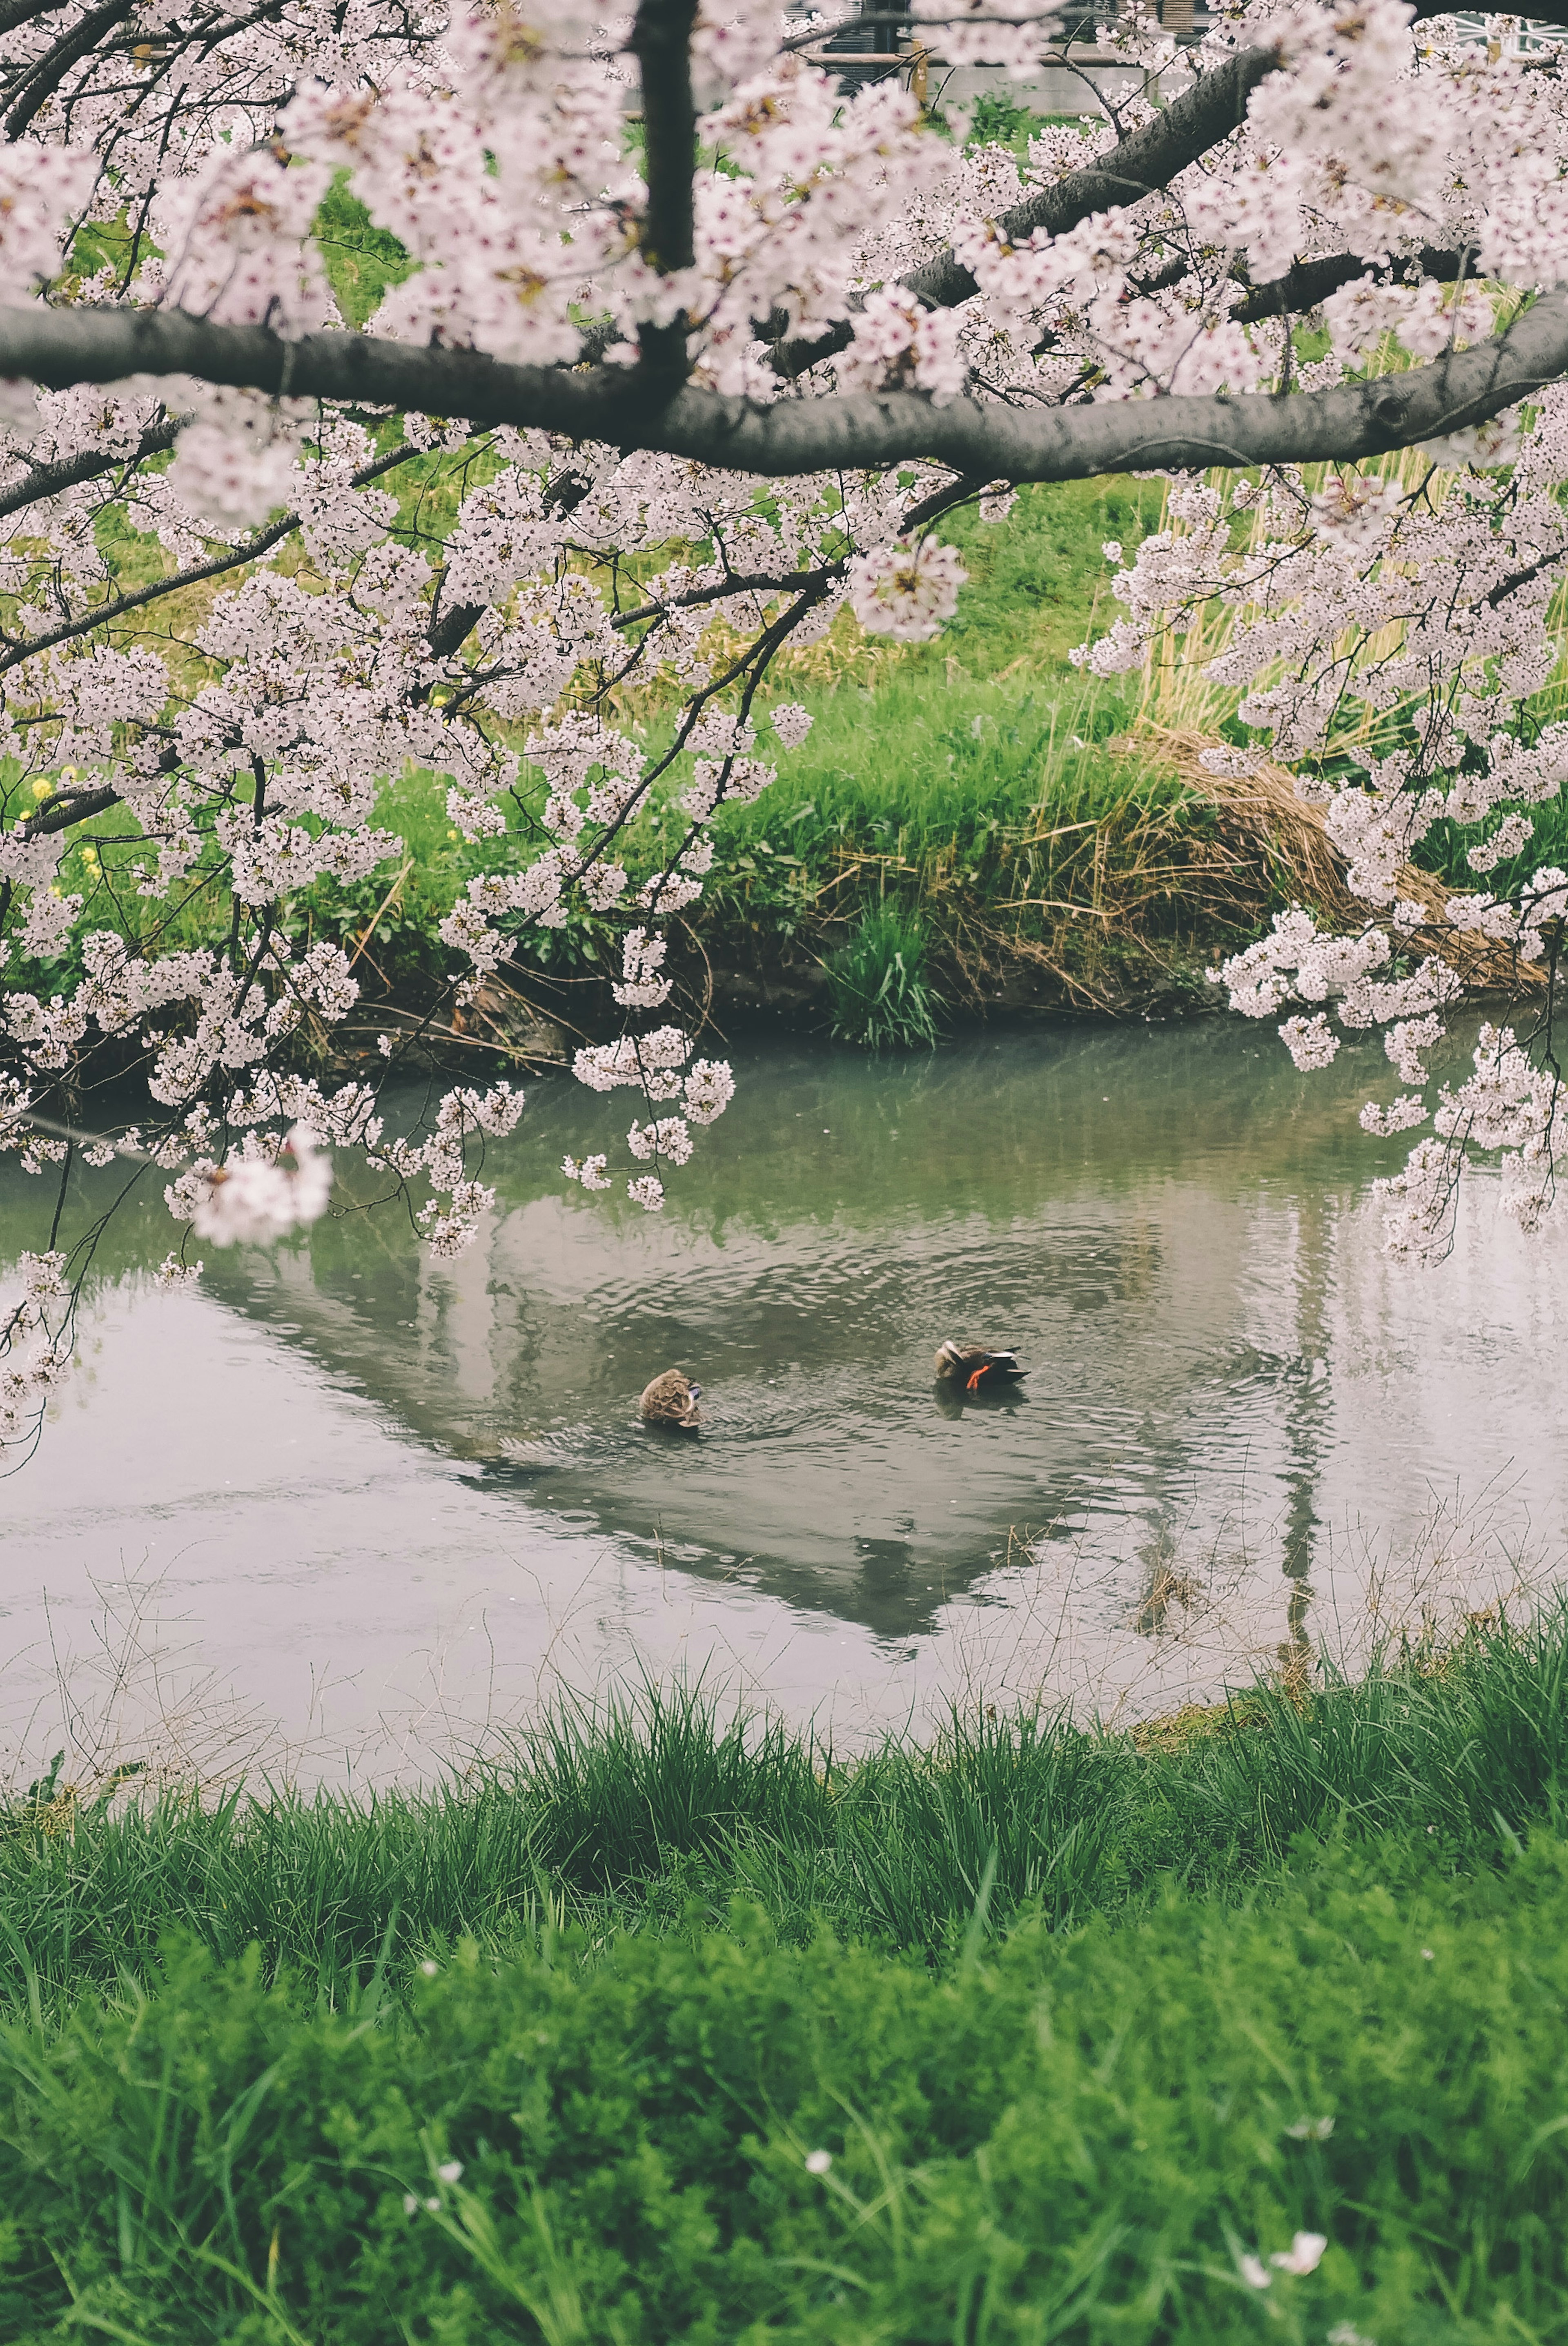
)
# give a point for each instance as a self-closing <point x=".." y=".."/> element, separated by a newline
<point x="976" y="806"/>
<point x="663" y="1803"/>
<point x="1083" y="2023"/>
<point x="1105" y="2135"/>
<point x="972" y="824"/>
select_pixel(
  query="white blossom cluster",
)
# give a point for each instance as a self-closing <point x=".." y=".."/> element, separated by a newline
<point x="37" y="1351"/>
<point x="254" y="1198"/>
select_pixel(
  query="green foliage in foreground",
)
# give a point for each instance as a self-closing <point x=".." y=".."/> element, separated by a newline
<point x="1089" y="2032"/>
<point x="626" y="1815"/>
<point x="1067" y="2136"/>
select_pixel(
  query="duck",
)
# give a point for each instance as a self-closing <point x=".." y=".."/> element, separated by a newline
<point x="976" y="1367"/>
<point x="671" y="1400"/>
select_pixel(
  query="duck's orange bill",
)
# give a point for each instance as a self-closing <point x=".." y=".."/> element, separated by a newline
<point x="976" y="1377"/>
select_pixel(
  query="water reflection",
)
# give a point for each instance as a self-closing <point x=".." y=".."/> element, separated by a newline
<point x="1168" y="1227"/>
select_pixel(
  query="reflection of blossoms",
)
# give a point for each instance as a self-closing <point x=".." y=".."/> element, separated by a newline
<point x="906" y="591"/>
<point x="251" y="1200"/>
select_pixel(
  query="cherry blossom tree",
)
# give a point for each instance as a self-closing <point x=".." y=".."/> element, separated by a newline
<point x="689" y="334"/>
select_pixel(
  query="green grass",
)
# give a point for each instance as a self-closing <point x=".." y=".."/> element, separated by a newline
<point x="1062" y="2137"/>
<point x="1445" y="848"/>
<point x="877" y="981"/>
<point x="1038" y="580"/>
<point x="624" y="1815"/>
<point x="1081" y="2025"/>
<point x="965" y="790"/>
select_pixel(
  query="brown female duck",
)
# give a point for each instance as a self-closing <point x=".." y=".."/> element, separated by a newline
<point x="671" y="1400"/>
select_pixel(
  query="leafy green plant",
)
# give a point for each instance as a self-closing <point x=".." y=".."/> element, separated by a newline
<point x="877" y="981"/>
<point x="1333" y="2112"/>
<point x="998" y="121"/>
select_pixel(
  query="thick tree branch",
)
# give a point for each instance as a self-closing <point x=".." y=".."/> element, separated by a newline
<point x="16" y="13"/>
<point x="1149" y="159"/>
<point x="660" y="42"/>
<point x="1308" y="282"/>
<point x="70" y="807"/>
<point x="661" y="39"/>
<point x="867" y="430"/>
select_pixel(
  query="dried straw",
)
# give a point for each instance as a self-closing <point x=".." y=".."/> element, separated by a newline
<point x="1293" y="833"/>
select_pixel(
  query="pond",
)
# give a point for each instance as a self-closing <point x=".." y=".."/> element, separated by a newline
<point x="349" y="1509"/>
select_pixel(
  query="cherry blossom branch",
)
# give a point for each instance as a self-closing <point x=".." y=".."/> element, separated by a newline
<point x="1308" y="282"/>
<point x="43" y="78"/>
<point x="17" y="13"/>
<point x="67" y="808"/>
<point x="849" y="433"/>
<point x="760" y="582"/>
<point x="51" y="480"/>
<point x="1139" y="165"/>
<point x="250" y="550"/>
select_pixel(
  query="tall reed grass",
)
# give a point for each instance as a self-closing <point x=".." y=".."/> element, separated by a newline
<point x="1177" y="694"/>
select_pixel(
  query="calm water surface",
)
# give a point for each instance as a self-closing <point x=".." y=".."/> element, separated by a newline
<point x="383" y="1505"/>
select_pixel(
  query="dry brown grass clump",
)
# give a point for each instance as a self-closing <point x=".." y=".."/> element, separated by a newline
<point x="1292" y="832"/>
